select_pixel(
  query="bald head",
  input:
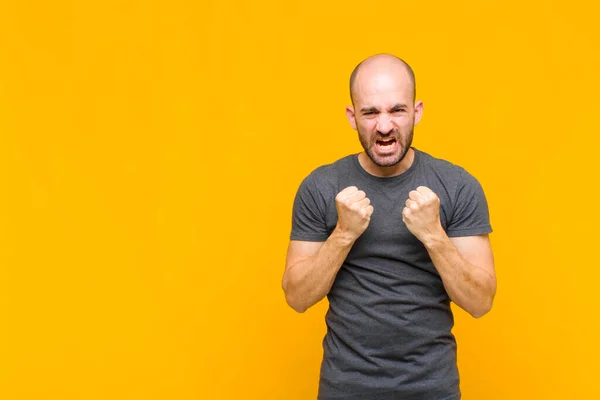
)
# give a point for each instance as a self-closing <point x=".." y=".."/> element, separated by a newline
<point x="381" y="64"/>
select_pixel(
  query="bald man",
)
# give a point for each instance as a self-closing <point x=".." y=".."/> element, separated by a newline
<point x="390" y="235"/>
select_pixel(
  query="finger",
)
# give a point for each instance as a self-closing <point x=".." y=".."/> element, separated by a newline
<point x="370" y="210"/>
<point x="346" y="192"/>
<point x="411" y="204"/>
<point x="415" y="195"/>
<point x="363" y="203"/>
<point x="356" y="196"/>
<point x="405" y="213"/>
<point x="425" y="191"/>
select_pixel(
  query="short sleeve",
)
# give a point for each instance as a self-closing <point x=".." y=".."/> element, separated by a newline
<point x="308" y="214"/>
<point x="470" y="212"/>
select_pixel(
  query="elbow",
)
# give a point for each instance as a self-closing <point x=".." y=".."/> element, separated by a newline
<point x="296" y="306"/>
<point x="292" y="300"/>
<point x="478" y="313"/>
<point x="485" y="305"/>
<point x="484" y="308"/>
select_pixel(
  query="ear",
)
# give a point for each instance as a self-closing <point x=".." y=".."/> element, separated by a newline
<point x="350" y="116"/>
<point x="418" y="111"/>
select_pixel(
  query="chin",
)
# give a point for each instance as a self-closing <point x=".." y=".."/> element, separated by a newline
<point x="387" y="161"/>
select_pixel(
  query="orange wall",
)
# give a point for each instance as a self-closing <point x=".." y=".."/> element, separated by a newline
<point x="150" y="152"/>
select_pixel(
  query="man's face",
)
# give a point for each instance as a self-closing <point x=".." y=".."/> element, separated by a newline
<point x="384" y="115"/>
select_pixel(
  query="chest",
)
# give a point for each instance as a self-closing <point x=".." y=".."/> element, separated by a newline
<point x="388" y="204"/>
<point x="387" y="236"/>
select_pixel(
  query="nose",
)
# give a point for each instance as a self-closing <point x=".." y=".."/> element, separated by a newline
<point x="384" y="124"/>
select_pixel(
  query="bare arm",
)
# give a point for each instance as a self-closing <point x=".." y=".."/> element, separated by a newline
<point x="311" y="268"/>
<point x="466" y="266"/>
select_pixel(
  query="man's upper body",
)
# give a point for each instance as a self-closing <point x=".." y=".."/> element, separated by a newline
<point x="389" y="319"/>
<point x="390" y="236"/>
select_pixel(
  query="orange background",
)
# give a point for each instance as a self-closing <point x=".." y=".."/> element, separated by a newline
<point x="150" y="152"/>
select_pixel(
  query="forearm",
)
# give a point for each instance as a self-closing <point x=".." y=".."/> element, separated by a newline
<point x="472" y="288"/>
<point x="309" y="280"/>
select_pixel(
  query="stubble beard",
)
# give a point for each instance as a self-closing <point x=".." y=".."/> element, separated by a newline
<point x="404" y="143"/>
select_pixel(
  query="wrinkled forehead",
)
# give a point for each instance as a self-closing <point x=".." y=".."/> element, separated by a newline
<point x="383" y="87"/>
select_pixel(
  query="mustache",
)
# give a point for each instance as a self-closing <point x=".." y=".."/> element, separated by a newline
<point x="386" y="133"/>
<point x="380" y="135"/>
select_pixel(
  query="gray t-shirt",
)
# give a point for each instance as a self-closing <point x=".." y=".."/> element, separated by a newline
<point x="389" y="320"/>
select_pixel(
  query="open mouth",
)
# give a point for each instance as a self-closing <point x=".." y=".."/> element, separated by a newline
<point x="386" y="144"/>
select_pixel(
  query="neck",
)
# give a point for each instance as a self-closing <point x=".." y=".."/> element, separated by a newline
<point x="386" y="172"/>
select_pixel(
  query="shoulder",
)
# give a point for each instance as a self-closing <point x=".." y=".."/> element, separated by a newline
<point x="452" y="182"/>
<point x="447" y="171"/>
<point x="317" y="191"/>
<point x="439" y="164"/>
<point x="325" y="178"/>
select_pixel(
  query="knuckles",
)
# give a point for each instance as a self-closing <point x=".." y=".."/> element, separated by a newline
<point x="423" y="194"/>
<point x="346" y="192"/>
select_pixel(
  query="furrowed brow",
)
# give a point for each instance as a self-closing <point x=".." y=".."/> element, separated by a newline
<point x="368" y="109"/>
<point x="399" y="106"/>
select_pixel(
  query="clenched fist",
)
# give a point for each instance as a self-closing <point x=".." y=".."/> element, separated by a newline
<point x="354" y="211"/>
<point x="422" y="213"/>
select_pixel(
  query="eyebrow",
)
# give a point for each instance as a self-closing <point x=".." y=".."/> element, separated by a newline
<point x="368" y="109"/>
<point x="374" y="109"/>
<point x="399" y="105"/>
